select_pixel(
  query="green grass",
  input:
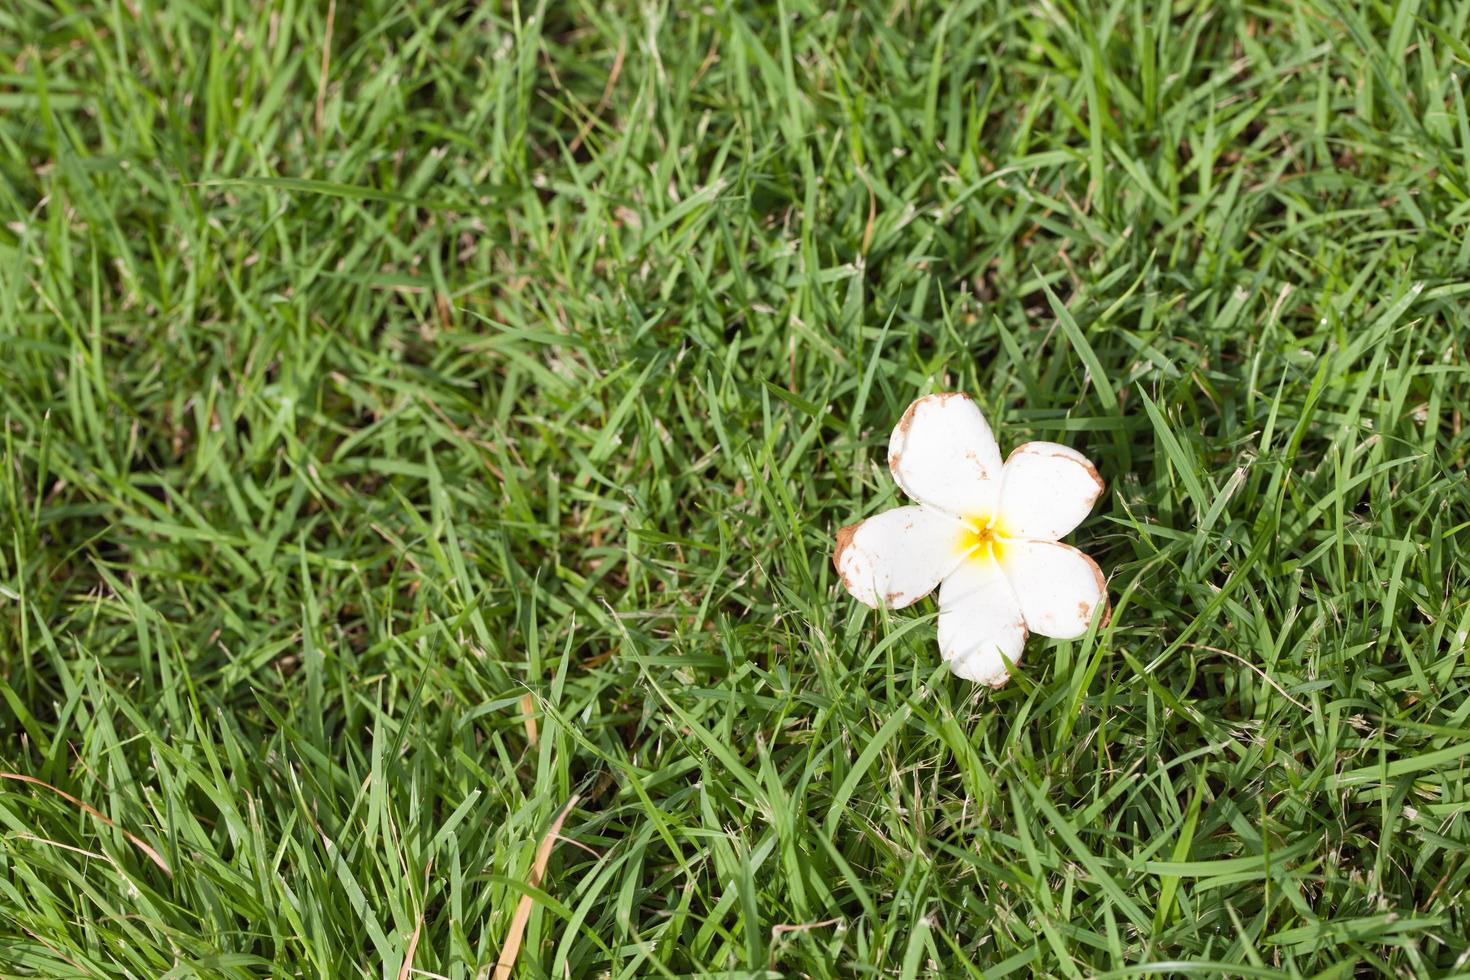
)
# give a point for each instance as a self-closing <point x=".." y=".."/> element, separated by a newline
<point x="504" y="351"/>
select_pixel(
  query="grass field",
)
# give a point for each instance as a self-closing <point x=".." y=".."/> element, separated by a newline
<point x="425" y="420"/>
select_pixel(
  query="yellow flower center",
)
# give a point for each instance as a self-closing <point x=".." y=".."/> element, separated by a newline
<point x="982" y="539"/>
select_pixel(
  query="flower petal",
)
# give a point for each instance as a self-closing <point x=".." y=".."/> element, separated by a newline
<point x="1059" y="588"/>
<point x="899" y="556"/>
<point x="979" y="621"/>
<point x="1046" y="490"/>
<point x="943" y="454"/>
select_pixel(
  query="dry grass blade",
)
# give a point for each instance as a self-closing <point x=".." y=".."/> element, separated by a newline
<point x="321" y="83"/>
<point x="602" y="103"/>
<point x="413" y="944"/>
<point x="137" y="842"/>
<point x="528" y="707"/>
<point x="512" y="947"/>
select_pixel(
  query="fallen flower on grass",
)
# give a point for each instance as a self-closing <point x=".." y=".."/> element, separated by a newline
<point x="985" y="533"/>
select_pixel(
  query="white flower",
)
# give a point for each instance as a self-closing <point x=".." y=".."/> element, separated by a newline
<point x="984" y="533"/>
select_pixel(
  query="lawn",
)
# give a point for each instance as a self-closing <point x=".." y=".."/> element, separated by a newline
<point x="423" y="428"/>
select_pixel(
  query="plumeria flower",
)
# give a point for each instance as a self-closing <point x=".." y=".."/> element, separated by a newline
<point x="986" y="534"/>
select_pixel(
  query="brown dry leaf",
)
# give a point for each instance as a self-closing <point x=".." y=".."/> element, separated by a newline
<point x="512" y="947"/>
<point x="137" y="842"/>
